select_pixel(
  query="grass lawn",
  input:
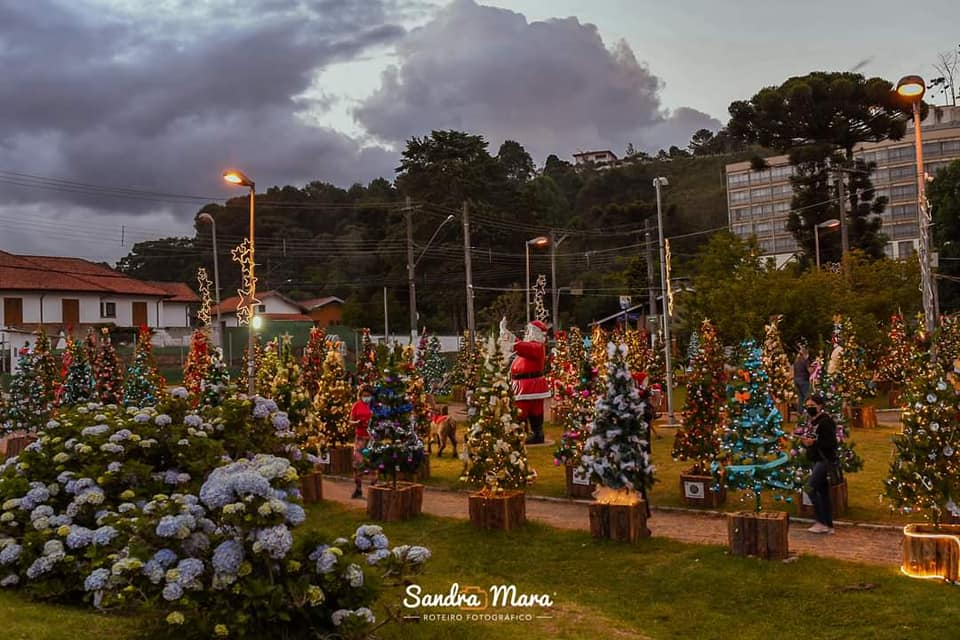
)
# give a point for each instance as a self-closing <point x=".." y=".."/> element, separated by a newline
<point x="656" y="589"/>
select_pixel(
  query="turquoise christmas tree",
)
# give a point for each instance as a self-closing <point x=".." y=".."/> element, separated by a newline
<point x="78" y="383"/>
<point x="31" y="400"/>
<point x="144" y="386"/>
<point x="215" y="386"/>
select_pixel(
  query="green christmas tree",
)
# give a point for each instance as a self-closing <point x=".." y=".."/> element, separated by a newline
<point x="579" y="388"/>
<point x="78" y="383"/>
<point x="395" y="447"/>
<point x="215" y="386"/>
<point x="925" y="472"/>
<point x="108" y="379"/>
<point x="368" y="373"/>
<point x="267" y="368"/>
<point x="692" y="349"/>
<point x="469" y="363"/>
<point x="698" y="440"/>
<point x="639" y="355"/>
<point x="657" y="369"/>
<point x="432" y="366"/>
<point x="847" y="367"/>
<point x="144" y="386"/>
<point x="616" y="454"/>
<point x="311" y="366"/>
<point x="333" y="401"/>
<point x="31" y="401"/>
<point x="416" y="391"/>
<point x="197" y="364"/>
<point x="496" y="458"/>
<point x="45" y="365"/>
<point x="751" y="458"/>
<point x="947" y="341"/>
<point x="776" y="364"/>
<point x="900" y="359"/>
<point x="258" y="355"/>
<point x="287" y="391"/>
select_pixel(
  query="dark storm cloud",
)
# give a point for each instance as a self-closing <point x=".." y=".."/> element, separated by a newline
<point x="164" y="100"/>
<point x="552" y="85"/>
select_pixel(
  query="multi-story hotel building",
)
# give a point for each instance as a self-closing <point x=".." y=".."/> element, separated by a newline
<point x="758" y="202"/>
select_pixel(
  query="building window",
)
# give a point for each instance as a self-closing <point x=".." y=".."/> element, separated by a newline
<point x="759" y="177"/>
<point x="261" y="308"/>
<point x="931" y="149"/>
<point x="739" y="197"/>
<point x="12" y="311"/>
<point x="900" y="153"/>
<point x="760" y="194"/>
<point x="904" y="230"/>
<point x="108" y="309"/>
<point x="738" y="179"/>
<point x="739" y="215"/>
<point x="951" y="147"/>
<point x="903" y="212"/>
<point x="905" y="249"/>
<point x="904" y="191"/>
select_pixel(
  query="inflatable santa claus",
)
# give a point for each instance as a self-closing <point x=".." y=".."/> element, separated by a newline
<point x="530" y="387"/>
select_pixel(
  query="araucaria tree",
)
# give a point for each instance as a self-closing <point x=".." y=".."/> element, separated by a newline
<point x="925" y="472"/>
<point x="108" y="379"/>
<point x="496" y="450"/>
<point x="617" y="452"/>
<point x="144" y="386"/>
<point x="751" y="457"/>
<point x="395" y="447"/>
<point x="698" y="440"/>
<point x="776" y="364"/>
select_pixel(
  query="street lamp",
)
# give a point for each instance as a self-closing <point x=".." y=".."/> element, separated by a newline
<point x="659" y="182"/>
<point x="912" y="88"/>
<point x="411" y="267"/>
<point x="832" y="223"/>
<point x="206" y="217"/>
<point x="539" y="242"/>
<point x="238" y="178"/>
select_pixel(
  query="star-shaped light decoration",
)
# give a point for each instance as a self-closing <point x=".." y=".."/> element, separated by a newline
<point x="539" y="292"/>
<point x="203" y="282"/>
<point x="243" y="254"/>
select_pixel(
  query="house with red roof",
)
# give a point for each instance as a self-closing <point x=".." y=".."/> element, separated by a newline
<point x="325" y="312"/>
<point x="72" y="293"/>
<point x="274" y="306"/>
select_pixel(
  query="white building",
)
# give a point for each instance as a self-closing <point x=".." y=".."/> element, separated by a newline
<point x="605" y="159"/>
<point x="273" y="306"/>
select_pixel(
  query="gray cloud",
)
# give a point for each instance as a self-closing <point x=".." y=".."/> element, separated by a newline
<point x="552" y="85"/>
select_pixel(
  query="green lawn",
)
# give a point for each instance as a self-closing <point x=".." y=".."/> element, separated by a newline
<point x="656" y="589"/>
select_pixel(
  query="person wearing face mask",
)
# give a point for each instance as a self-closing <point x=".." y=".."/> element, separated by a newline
<point x="821" y="444"/>
<point x="360" y="416"/>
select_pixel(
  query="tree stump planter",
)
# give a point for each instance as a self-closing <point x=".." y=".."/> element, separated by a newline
<point x="578" y="485"/>
<point x="620" y="522"/>
<point x="854" y="416"/>
<point x="893" y="396"/>
<point x="16" y="444"/>
<point x="505" y="511"/>
<point x="458" y="393"/>
<point x="764" y="535"/>
<point x="339" y="461"/>
<point x="311" y="487"/>
<point x="697" y="491"/>
<point x="838" y="501"/>
<point x="929" y="552"/>
<point x="422" y="473"/>
<point x="785" y="409"/>
<point x="387" y="503"/>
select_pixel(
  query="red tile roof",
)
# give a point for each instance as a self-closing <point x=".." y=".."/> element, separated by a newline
<point x="180" y="291"/>
<point x="286" y="317"/>
<point x="316" y="303"/>
<point x="229" y="305"/>
<point x="54" y="273"/>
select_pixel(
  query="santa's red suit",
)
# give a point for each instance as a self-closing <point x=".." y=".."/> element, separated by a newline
<point x="530" y="387"/>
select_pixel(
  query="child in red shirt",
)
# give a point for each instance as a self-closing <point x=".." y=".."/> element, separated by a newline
<point x="360" y="416"/>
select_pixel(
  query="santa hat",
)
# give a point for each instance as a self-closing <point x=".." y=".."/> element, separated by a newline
<point x="539" y="325"/>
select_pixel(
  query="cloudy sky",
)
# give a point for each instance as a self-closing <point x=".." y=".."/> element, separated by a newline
<point x="117" y="116"/>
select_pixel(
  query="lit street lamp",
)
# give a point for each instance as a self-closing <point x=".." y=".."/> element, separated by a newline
<point x="411" y="267"/>
<point x="206" y="217"/>
<point x="832" y="223"/>
<point x="539" y="242"/>
<point x="659" y="182"/>
<point x="238" y="178"/>
<point x="912" y="88"/>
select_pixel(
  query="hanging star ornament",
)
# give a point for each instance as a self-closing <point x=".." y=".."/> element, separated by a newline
<point x="203" y="282"/>
<point x="539" y="292"/>
<point x="243" y="254"/>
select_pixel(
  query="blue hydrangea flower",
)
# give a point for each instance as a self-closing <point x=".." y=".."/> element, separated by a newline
<point x="189" y="569"/>
<point x="260" y="410"/>
<point x="163" y="420"/>
<point x="354" y="575"/>
<point x="142" y="417"/>
<point x="95" y="430"/>
<point x="227" y="557"/>
<point x="281" y="422"/>
<point x="193" y="420"/>
<point x="114" y="467"/>
<point x="153" y="571"/>
<point x="11" y="580"/>
<point x="165" y="557"/>
<point x="276" y="541"/>
<point x="378" y="555"/>
<point x="9" y="554"/>
<point x="97" y="580"/>
<point x="180" y="393"/>
<point x="104" y="536"/>
<point x="326" y="559"/>
<point x="295" y="514"/>
<point x="120" y="436"/>
<point x="196" y="544"/>
<point x="172" y="591"/>
<point x="79" y="537"/>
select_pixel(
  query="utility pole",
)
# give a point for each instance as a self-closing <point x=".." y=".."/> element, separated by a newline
<point x="471" y="322"/>
<point x="554" y="243"/>
<point x="411" y="280"/>
<point x="658" y="183"/>
<point x="386" y="319"/>
<point x="844" y="235"/>
<point x="651" y="286"/>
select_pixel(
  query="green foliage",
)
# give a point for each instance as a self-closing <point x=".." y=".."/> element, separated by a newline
<point x="944" y="196"/>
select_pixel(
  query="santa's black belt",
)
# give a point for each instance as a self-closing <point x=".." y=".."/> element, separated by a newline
<point x="527" y="376"/>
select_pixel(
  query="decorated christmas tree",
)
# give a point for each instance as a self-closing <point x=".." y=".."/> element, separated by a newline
<point x="925" y="472"/>
<point x="562" y="377"/>
<point x="777" y="365"/>
<point x="416" y="391"/>
<point x="215" y="385"/>
<point x="496" y="457"/>
<point x="433" y="367"/>
<point x="698" y="440"/>
<point x="750" y="446"/>
<point x="286" y="390"/>
<point x="616" y="454"/>
<point x="78" y="378"/>
<point x="692" y="349"/>
<point x="580" y="390"/>
<point x="267" y="368"/>
<point x="900" y="358"/>
<point x="847" y="368"/>
<point x="333" y="401"/>
<point x="108" y="379"/>
<point x="639" y="355"/>
<point x="657" y="369"/>
<point x="258" y="354"/>
<point x="368" y="373"/>
<point x="197" y="364"/>
<point x="947" y="340"/>
<point x="598" y="351"/>
<point x="31" y="401"/>
<point x="144" y="386"/>
<point x="469" y="363"/>
<point x="311" y="366"/>
<point x="395" y="447"/>
<point x="45" y="365"/>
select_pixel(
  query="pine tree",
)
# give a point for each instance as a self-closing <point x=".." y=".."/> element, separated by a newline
<point x="561" y="378"/>
<point x="579" y="409"/>
<point x="215" y="386"/>
<point x="368" y="372"/>
<point x="900" y="358"/>
<point x="395" y="447"/>
<point x="31" y="401"/>
<point x="657" y="369"/>
<point x="750" y="448"/>
<point x="78" y="383"/>
<point x="468" y="365"/>
<point x="311" y="366"/>
<point x="698" y="440"/>
<point x="777" y="365"/>
<point x="197" y="364"/>
<point x="617" y="451"/>
<point x="496" y="457"/>
<point x="108" y="381"/>
<point x="925" y="472"/>
<point x="333" y="401"/>
<point x="144" y="386"/>
<point x="286" y="389"/>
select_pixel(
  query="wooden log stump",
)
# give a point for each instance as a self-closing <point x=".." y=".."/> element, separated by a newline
<point x="16" y="444"/>
<point x="785" y="409"/>
<point x="311" y="487"/>
<point x="854" y="417"/>
<point x="868" y="418"/>
<point x="458" y="393"/>
<point x="338" y="461"/>
<point x="620" y="522"/>
<point x="505" y="511"/>
<point x="422" y="473"/>
<point x="697" y="491"/>
<point x="764" y="535"/>
<point x="578" y="484"/>
<point x="893" y="396"/>
<point x="387" y="503"/>
<point x="929" y="552"/>
<point x="838" y="501"/>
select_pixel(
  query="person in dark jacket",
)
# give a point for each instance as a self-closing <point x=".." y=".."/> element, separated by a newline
<point x="821" y="444"/>
<point x="801" y="377"/>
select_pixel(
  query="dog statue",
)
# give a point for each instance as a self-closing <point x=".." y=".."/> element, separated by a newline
<point x="442" y="429"/>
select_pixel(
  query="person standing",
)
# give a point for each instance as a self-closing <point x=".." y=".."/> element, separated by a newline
<point x="360" y="416"/>
<point x="801" y="377"/>
<point x="821" y="443"/>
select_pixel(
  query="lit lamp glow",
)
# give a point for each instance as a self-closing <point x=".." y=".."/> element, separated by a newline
<point x="248" y="294"/>
<point x="257" y="322"/>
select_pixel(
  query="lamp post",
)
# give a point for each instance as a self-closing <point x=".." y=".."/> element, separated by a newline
<point x="554" y="243"/>
<point x="659" y="182"/>
<point x="238" y="178"/>
<point x="832" y="223"/>
<point x="912" y="88"/>
<point x="206" y="217"/>
<point x="411" y="269"/>
<point x="540" y="242"/>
